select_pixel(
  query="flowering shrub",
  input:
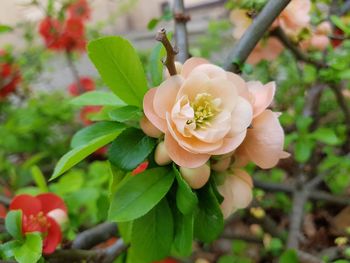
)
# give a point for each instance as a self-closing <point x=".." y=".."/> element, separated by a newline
<point x="10" y="75"/>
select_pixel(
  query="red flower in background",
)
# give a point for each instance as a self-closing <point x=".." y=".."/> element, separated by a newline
<point x="338" y="33"/>
<point x="167" y="260"/>
<point x="86" y="83"/>
<point x="87" y="111"/>
<point x="80" y="9"/>
<point x="139" y="169"/>
<point x="10" y="75"/>
<point x="73" y="36"/>
<point x="43" y="213"/>
<point x="51" y="29"/>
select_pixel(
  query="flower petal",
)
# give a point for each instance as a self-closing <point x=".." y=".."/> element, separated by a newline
<point x="165" y="95"/>
<point x="264" y="141"/>
<point x="158" y="122"/>
<point x="242" y="116"/>
<point x="190" y="64"/>
<point x="29" y="205"/>
<point x="212" y="71"/>
<point x="51" y="202"/>
<point x="263" y="95"/>
<point x="230" y="144"/>
<point x="53" y="238"/>
<point x="182" y="157"/>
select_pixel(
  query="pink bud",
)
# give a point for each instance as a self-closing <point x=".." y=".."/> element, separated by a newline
<point x="161" y="155"/>
<point x="149" y="129"/>
<point x="221" y="165"/>
<point x="196" y="177"/>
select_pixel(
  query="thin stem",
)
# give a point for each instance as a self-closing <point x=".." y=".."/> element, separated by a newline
<point x="74" y="71"/>
<point x="181" y="36"/>
<point x="170" y="51"/>
<point x="253" y="34"/>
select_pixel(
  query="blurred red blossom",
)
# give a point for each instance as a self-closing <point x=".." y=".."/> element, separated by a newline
<point x="141" y="168"/>
<point x="86" y="112"/>
<point x="80" y="9"/>
<point x="10" y="75"/>
<point x="87" y="84"/>
<point x="44" y="213"/>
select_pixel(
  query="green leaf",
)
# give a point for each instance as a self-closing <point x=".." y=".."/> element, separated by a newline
<point x="7" y="249"/>
<point x="155" y="65"/>
<point x="120" y="68"/>
<point x="130" y="149"/>
<point x="209" y="221"/>
<point x="96" y="130"/>
<point x="326" y="136"/>
<point x="303" y="123"/>
<point x="303" y="150"/>
<point x="186" y="199"/>
<point x="336" y="20"/>
<point x="5" y="29"/>
<point x="126" y="113"/>
<point x="39" y="178"/>
<point x="98" y="98"/>
<point x="136" y="195"/>
<point x="152" y="23"/>
<point x="183" y="238"/>
<point x="13" y="224"/>
<point x="152" y="235"/>
<point x="289" y="256"/>
<point x="78" y="154"/>
<point x="125" y="229"/>
<point x="30" y="251"/>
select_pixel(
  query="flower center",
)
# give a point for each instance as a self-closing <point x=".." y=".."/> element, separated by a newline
<point x="205" y="107"/>
<point x="36" y="223"/>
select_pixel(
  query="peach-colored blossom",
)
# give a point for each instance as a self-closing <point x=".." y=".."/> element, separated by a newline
<point x="268" y="50"/>
<point x="149" y="129"/>
<point x="241" y="21"/>
<point x="200" y="112"/>
<point x="319" y="39"/>
<point x="294" y="17"/>
<point x="263" y="144"/>
<point x="236" y="190"/>
<point x="161" y="156"/>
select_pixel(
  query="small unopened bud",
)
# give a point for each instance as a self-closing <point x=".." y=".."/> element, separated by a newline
<point x="196" y="177"/>
<point x="149" y="129"/>
<point x="161" y="155"/>
<point x="221" y="165"/>
<point x="59" y="216"/>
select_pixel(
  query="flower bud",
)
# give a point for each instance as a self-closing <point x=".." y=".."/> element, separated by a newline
<point x="196" y="177"/>
<point x="221" y="165"/>
<point x="161" y="155"/>
<point x="149" y="129"/>
<point x="59" y="216"/>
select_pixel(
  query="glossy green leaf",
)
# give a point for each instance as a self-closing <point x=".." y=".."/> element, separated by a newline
<point x="30" y="251"/>
<point x="13" y="224"/>
<point x="186" y="199"/>
<point x="209" y="221"/>
<point x="136" y="195"/>
<point x="303" y="150"/>
<point x="78" y="154"/>
<point x="126" y="113"/>
<point x="130" y="149"/>
<point x="120" y="68"/>
<point x="39" y="178"/>
<point x="155" y="66"/>
<point x="96" y="130"/>
<point x="152" y="235"/>
<point x="183" y="236"/>
<point x="97" y="98"/>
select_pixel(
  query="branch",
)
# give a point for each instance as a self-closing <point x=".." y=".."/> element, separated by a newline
<point x="106" y="255"/>
<point x="253" y="34"/>
<point x="300" y="55"/>
<point x="170" y="51"/>
<point x="95" y="235"/>
<point x="5" y="200"/>
<point x="74" y="71"/>
<point x="181" y="37"/>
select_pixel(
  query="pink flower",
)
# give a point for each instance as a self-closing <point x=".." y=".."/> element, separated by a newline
<point x="43" y="213"/>
<point x="319" y="39"/>
<point x="263" y="144"/>
<point x="294" y="17"/>
<point x="266" y="50"/>
<point x="200" y="112"/>
<point x="236" y="190"/>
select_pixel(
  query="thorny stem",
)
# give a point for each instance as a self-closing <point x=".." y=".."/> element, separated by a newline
<point x="170" y="51"/>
